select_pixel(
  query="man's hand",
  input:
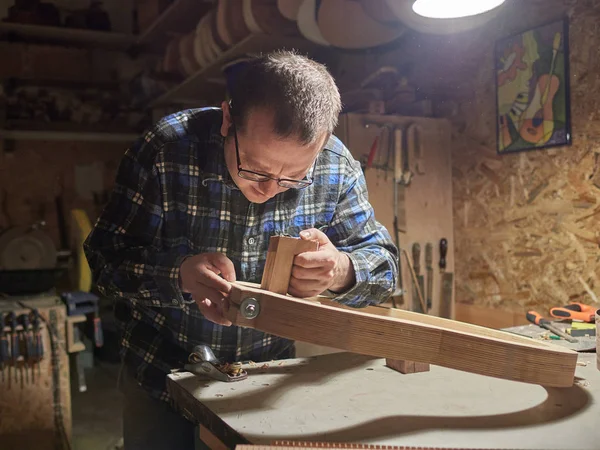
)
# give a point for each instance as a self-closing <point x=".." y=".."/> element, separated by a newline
<point x="326" y="268"/>
<point x="199" y="276"/>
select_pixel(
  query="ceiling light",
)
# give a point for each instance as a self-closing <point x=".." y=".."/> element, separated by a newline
<point x="452" y="9"/>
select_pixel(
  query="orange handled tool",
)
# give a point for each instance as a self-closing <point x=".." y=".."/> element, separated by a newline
<point x="535" y="317"/>
<point x="579" y="312"/>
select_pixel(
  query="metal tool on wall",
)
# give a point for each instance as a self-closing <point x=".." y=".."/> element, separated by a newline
<point x="415" y="148"/>
<point x="446" y="282"/>
<point x="429" y="270"/>
<point x="399" y="212"/>
<point x="419" y="288"/>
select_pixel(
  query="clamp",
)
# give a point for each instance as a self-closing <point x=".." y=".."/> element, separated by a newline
<point x="202" y="361"/>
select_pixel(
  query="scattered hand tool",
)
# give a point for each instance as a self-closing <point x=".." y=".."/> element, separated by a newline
<point x="537" y="319"/>
<point x="422" y="305"/>
<point x="446" y="282"/>
<point x="429" y="268"/>
<point x="27" y="335"/>
<point x="575" y="311"/>
<point x="420" y="287"/>
<point x="202" y="361"/>
<point x="38" y="342"/>
<point x="14" y="339"/>
<point x="4" y="347"/>
<point x="415" y="149"/>
<point x="582" y="329"/>
<point x="399" y="206"/>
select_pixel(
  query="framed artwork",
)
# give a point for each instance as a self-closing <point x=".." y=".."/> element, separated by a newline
<point x="532" y="89"/>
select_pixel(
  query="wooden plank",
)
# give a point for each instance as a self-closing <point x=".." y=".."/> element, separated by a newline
<point x="109" y="40"/>
<point x="294" y="445"/>
<point x="397" y="334"/>
<point x="280" y="259"/>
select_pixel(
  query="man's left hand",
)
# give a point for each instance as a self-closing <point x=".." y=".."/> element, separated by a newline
<point x="317" y="271"/>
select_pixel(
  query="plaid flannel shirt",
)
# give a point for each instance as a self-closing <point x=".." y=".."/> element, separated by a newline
<point x="173" y="197"/>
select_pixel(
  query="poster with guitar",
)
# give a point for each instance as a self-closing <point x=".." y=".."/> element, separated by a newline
<point x="532" y="89"/>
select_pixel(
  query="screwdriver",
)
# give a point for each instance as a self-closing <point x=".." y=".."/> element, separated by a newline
<point x="14" y="351"/>
<point x="38" y="344"/>
<point x="28" y="338"/>
<point x="536" y="318"/>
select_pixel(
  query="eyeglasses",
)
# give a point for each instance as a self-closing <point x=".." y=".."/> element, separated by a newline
<point x="261" y="177"/>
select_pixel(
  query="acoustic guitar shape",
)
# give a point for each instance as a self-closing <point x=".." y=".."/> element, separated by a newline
<point x="223" y="28"/>
<point x="289" y="8"/>
<point x="263" y="16"/>
<point x="231" y="25"/>
<point x="539" y="128"/>
<point x="307" y="22"/>
<point x="187" y="61"/>
<point x="379" y="10"/>
<point x="537" y="125"/>
<point x="345" y="24"/>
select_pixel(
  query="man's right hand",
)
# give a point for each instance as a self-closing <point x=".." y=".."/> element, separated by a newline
<point x="200" y="277"/>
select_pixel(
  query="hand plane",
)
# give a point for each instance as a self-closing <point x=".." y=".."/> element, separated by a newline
<point x="202" y="361"/>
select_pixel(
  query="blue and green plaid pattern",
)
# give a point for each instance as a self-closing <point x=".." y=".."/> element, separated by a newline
<point x="173" y="197"/>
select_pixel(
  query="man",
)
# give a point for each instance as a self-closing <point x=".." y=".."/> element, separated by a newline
<point x="195" y="203"/>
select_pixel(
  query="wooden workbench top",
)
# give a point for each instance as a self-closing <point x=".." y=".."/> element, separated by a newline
<point x="345" y="397"/>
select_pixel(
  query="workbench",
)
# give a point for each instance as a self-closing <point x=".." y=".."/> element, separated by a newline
<point x="346" y="397"/>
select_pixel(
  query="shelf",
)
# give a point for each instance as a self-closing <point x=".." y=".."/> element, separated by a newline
<point x="72" y="36"/>
<point x="204" y="80"/>
<point x="179" y="17"/>
<point x="14" y="83"/>
<point x="35" y="135"/>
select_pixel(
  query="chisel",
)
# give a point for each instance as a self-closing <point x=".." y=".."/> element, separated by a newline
<point x="429" y="269"/>
<point x="419" y="288"/>
<point x="446" y="282"/>
<point x="537" y="319"/>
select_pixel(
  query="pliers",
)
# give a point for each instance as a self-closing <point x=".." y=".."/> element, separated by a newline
<point x="579" y="312"/>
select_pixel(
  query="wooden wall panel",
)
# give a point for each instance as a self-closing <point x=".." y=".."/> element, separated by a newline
<point x="427" y="199"/>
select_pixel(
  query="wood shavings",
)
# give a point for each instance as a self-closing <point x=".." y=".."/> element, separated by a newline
<point x="582" y="383"/>
<point x="582" y="363"/>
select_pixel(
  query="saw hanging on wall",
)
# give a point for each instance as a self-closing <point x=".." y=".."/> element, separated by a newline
<point x="397" y="334"/>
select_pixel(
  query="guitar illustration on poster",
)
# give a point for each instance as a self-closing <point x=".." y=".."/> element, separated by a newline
<point x="532" y="89"/>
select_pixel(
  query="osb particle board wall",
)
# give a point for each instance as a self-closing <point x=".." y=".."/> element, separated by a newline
<point x="526" y="225"/>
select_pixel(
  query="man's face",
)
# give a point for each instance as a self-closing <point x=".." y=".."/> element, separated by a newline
<point x="262" y="151"/>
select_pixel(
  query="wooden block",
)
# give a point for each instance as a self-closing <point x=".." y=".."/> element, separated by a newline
<point x="404" y="366"/>
<point x="280" y="258"/>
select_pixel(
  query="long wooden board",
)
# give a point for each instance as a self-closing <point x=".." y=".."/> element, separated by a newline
<point x="405" y="335"/>
<point x="290" y="445"/>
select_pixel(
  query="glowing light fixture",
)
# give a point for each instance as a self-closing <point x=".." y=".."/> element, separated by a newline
<point x="452" y="9"/>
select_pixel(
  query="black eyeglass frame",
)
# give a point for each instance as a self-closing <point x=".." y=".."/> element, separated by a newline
<point x="289" y="183"/>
